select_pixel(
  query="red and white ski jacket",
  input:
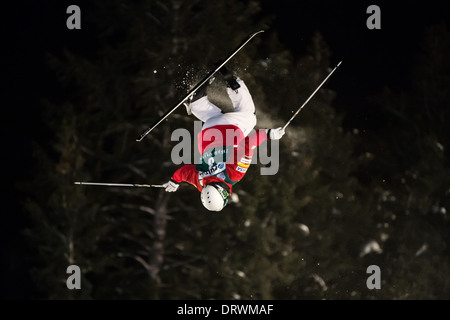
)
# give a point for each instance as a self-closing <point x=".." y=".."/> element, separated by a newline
<point x="231" y="171"/>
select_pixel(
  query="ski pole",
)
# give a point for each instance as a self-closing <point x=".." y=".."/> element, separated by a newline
<point x="307" y="100"/>
<point x="119" y="184"/>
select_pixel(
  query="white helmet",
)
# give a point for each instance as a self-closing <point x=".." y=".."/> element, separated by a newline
<point x="215" y="196"/>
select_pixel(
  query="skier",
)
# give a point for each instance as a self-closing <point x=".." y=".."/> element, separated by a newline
<point x="226" y="143"/>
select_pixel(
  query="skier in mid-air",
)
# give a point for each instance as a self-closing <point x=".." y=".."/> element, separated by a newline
<point x="226" y="143"/>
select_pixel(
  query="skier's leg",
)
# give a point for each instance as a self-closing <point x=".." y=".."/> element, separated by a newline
<point x="244" y="108"/>
<point x="204" y="109"/>
<point x="200" y="106"/>
<point x="241" y="99"/>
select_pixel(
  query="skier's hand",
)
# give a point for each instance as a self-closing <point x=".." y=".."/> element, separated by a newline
<point x="171" y="186"/>
<point x="275" y="134"/>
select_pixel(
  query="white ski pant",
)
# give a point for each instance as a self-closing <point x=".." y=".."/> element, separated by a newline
<point x="243" y="115"/>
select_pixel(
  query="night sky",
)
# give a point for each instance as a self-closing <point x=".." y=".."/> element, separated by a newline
<point x="372" y="60"/>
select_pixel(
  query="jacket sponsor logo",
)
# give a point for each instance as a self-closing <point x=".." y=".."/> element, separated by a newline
<point x="218" y="168"/>
<point x="244" y="163"/>
<point x="221" y="176"/>
<point x="246" y="160"/>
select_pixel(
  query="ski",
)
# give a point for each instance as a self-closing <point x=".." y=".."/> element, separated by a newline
<point x="201" y="83"/>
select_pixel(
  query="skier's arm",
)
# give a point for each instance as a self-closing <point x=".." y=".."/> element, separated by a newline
<point x="186" y="173"/>
<point x="255" y="138"/>
<point x="247" y="145"/>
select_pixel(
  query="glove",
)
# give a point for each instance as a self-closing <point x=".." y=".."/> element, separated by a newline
<point x="275" y="134"/>
<point x="171" y="186"/>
